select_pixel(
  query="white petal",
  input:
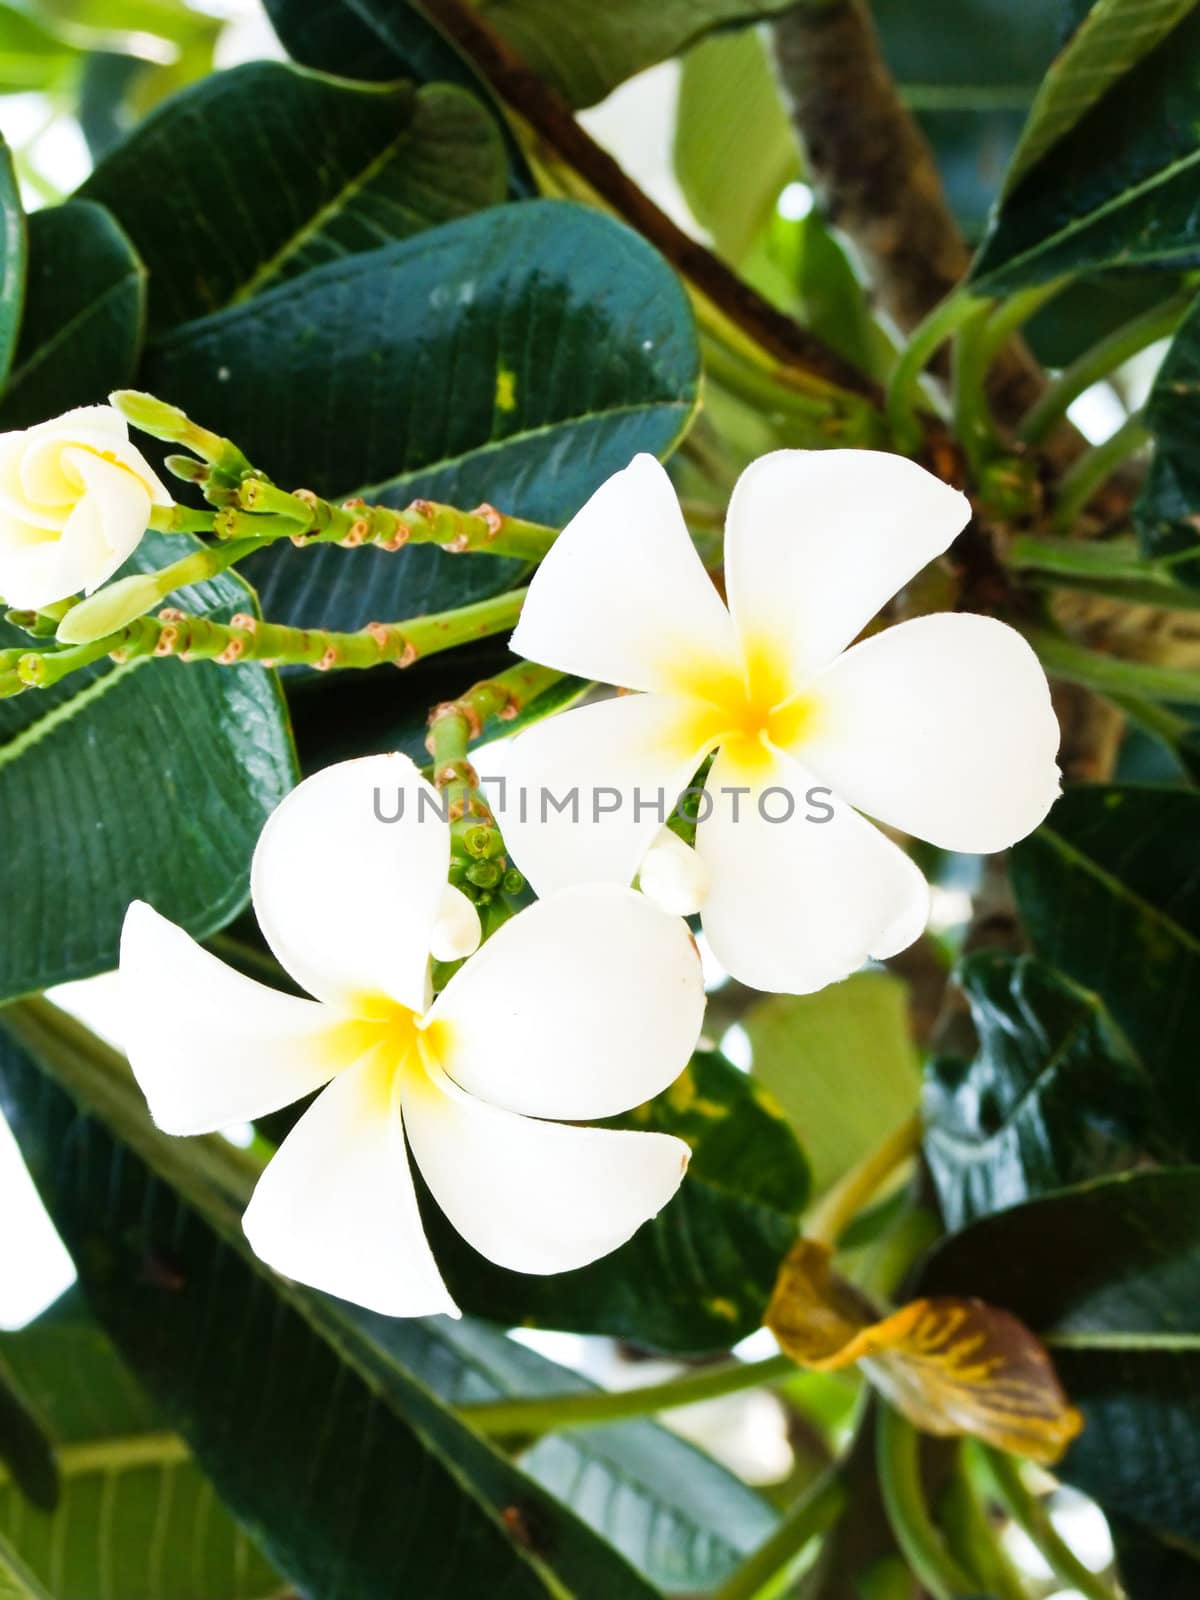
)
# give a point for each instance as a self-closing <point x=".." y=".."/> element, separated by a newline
<point x="113" y="513"/>
<point x="625" y="761"/>
<point x="673" y="875"/>
<point x="346" y="901"/>
<point x="208" y="1046"/>
<point x="535" y="1196"/>
<point x="816" y="541"/>
<point x="796" y="904"/>
<point x="38" y="575"/>
<point x="941" y="727"/>
<point x="582" y="1006"/>
<point x="336" y="1208"/>
<point x="457" y="931"/>
<point x="622" y="595"/>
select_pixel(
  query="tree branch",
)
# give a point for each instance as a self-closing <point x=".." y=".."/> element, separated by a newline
<point x="876" y="176"/>
<point x="550" y="117"/>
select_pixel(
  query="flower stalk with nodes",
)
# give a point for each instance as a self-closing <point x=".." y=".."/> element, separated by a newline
<point x="248" y="512"/>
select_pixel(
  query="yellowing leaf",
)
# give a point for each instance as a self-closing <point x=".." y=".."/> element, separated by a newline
<point x="950" y="1365"/>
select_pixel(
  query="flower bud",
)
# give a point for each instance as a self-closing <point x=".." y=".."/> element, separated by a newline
<point x="75" y="500"/>
<point x="673" y="875"/>
<point x="115" y="606"/>
<point x="457" y="931"/>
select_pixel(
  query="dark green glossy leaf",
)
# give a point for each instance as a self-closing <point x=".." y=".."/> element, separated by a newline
<point x="348" y="1471"/>
<point x="1167" y="509"/>
<point x="84" y="309"/>
<point x="1054" y="1095"/>
<point x="698" y="1276"/>
<point x="370" y="39"/>
<point x="12" y="259"/>
<point x="288" y="170"/>
<point x="16" y="1580"/>
<point x="520" y="356"/>
<point x="26" y="1460"/>
<point x="679" y="1517"/>
<point x="1109" y="1275"/>
<point x="1118" y="189"/>
<point x="149" y="782"/>
<point x="840" y="1063"/>
<point x="1111" y="38"/>
<point x="1109" y="888"/>
<point x="135" y="1515"/>
<point x="1150" y="1568"/>
<point x="378" y="41"/>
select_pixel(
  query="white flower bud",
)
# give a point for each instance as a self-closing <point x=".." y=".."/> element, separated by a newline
<point x="116" y="604"/>
<point x="75" y="500"/>
<point x="457" y="931"/>
<point x="673" y="875"/>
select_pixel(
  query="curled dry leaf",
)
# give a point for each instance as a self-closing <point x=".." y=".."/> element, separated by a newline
<point x="951" y="1365"/>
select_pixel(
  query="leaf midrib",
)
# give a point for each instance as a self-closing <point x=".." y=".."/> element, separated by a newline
<point x="269" y="269"/>
<point x="1081" y="224"/>
<point x="1122" y="891"/>
<point x="47" y="348"/>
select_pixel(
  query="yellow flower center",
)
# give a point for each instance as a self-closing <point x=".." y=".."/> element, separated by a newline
<point x="745" y="712"/>
<point x="394" y="1038"/>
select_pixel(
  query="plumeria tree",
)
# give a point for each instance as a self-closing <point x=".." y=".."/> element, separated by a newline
<point x="757" y="926"/>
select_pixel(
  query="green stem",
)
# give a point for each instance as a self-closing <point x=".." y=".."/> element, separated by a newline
<point x="456" y="724"/>
<point x="1108" y="675"/>
<point x="972" y="1534"/>
<point x="1102" y="359"/>
<point x="1003" y="1477"/>
<point x="837" y="1208"/>
<point x="316" y="521"/>
<point x="903" y="394"/>
<point x="1014" y="313"/>
<point x="245" y="638"/>
<point x="972" y="419"/>
<point x="770" y="1566"/>
<point x="1093" y="469"/>
<point x="1113" y="567"/>
<point x="549" y="1413"/>
<point x="897" y="1455"/>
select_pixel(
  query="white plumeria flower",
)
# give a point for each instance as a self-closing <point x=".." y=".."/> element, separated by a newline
<point x="940" y="727"/>
<point x="580" y="1007"/>
<point x="75" y="501"/>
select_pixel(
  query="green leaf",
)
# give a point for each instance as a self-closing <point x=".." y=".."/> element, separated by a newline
<point x="520" y="356"/>
<point x="584" y="50"/>
<point x="840" y="1063"/>
<point x="16" y="1580"/>
<point x="1118" y="189"/>
<point x="25" y="1456"/>
<point x="32" y="55"/>
<point x="366" y="39"/>
<point x="1108" y="1275"/>
<point x="1110" y="40"/>
<point x="1109" y="889"/>
<point x="699" y="1275"/>
<point x="1151" y="1569"/>
<point x="347" y="1470"/>
<point x="151" y="781"/>
<point x="12" y="259"/>
<point x="673" y="1512"/>
<point x="734" y="147"/>
<point x="1054" y="1095"/>
<point x="84" y="309"/>
<point x="1165" y="512"/>
<point x="136" y="1516"/>
<point x="290" y="170"/>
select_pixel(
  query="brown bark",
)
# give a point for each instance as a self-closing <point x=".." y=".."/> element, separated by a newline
<point x="876" y="177"/>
